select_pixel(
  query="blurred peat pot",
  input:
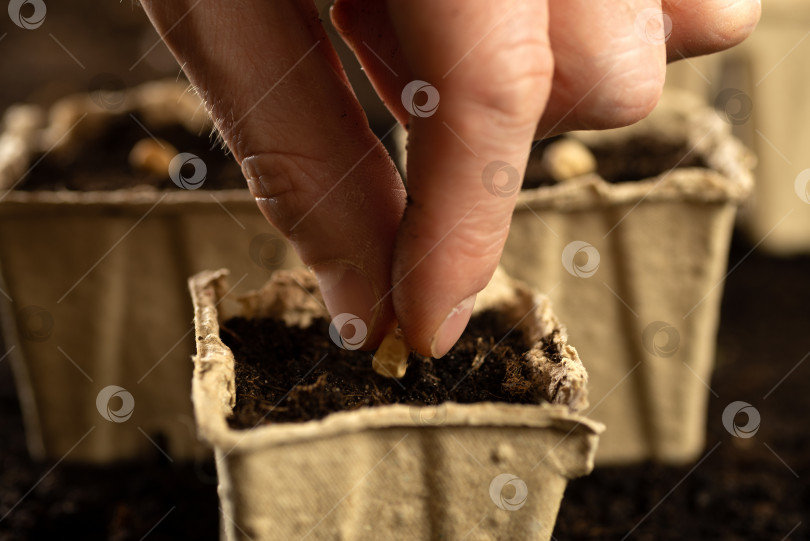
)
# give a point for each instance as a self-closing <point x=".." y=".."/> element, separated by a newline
<point x="633" y="257"/>
<point x="94" y="254"/>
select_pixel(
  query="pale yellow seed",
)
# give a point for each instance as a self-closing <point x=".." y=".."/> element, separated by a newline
<point x="391" y="359"/>
<point x="568" y="158"/>
<point x="149" y="156"/>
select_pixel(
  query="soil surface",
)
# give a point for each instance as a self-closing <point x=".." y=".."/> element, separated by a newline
<point x="643" y="157"/>
<point x="45" y="501"/>
<point x="637" y="159"/>
<point x="744" y="488"/>
<point x="103" y="163"/>
<point x="288" y="374"/>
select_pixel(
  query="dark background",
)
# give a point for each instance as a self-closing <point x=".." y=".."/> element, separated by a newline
<point x="83" y="40"/>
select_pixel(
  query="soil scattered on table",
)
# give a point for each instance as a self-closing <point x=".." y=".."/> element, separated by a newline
<point x="286" y="374"/>
<point x="102" y="164"/>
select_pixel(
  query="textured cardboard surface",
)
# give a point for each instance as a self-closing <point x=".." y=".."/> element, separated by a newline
<point x="392" y="472"/>
<point x="640" y="293"/>
<point x="94" y="295"/>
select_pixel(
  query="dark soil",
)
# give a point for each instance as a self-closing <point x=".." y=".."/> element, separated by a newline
<point x="288" y="374"/>
<point x="643" y="157"/>
<point x="103" y="163"/>
<point x="636" y="159"/>
<point x="741" y="491"/>
<point x="118" y="503"/>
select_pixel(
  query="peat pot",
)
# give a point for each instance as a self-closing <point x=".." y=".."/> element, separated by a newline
<point x="483" y="470"/>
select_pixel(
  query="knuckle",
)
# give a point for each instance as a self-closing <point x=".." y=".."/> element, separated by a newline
<point x="473" y="246"/>
<point x="624" y="98"/>
<point x="516" y="81"/>
<point x="627" y="106"/>
<point x="288" y="180"/>
<point x="468" y="253"/>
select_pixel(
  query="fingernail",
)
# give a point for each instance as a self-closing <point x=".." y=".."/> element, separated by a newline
<point x="347" y="290"/>
<point x="451" y="328"/>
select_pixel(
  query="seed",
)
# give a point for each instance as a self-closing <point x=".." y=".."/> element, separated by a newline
<point x="391" y="359"/>
<point x="568" y="158"/>
<point x="152" y="156"/>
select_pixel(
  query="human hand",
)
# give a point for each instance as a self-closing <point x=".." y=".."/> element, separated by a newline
<point x="506" y="72"/>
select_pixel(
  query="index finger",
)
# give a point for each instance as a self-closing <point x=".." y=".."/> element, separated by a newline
<point x="483" y="72"/>
<point x="278" y="95"/>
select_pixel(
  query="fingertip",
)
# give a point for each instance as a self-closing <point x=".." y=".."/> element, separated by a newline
<point x="711" y="26"/>
<point x="470" y="102"/>
<point x="355" y="304"/>
<point x="438" y="271"/>
<point x="452" y="327"/>
<point x="342" y="12"/>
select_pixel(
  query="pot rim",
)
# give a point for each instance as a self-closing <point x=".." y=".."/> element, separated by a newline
<point x="213" y="392"/>
<point x="125" y="197"/>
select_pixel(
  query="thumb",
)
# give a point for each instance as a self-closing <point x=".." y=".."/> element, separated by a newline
<point x="483" y="73"/>
<point x="280" y="99"/>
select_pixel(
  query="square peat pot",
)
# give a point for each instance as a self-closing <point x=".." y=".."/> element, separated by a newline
<point x="94" y="312"/>
<point x="635" y="266"/>
<point x="451" y="471"/>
